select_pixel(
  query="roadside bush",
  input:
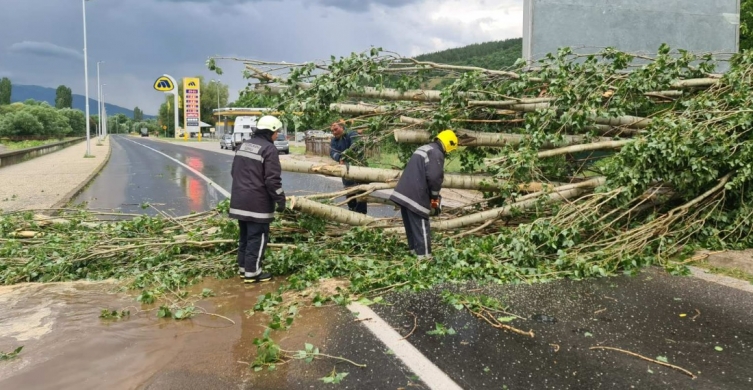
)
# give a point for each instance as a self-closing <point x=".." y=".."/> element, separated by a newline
<point x="76" y="119"/>
<point x="54" y="123"/>
<point x="20" y="124"/>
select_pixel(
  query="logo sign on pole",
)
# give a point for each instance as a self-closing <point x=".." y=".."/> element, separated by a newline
<point x="164" y="84"/>
<point x="191" y="104"/>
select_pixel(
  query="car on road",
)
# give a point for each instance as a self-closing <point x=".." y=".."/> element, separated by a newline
<point x="282" y="144"/>
<point x="226" y="142"/>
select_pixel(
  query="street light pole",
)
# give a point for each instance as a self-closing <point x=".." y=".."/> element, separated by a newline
<point x="104" y="109"/>
<point x="99" y="97"/>
<point x="86" y="84"/>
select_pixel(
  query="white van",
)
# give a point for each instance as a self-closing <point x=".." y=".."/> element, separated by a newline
<point x="243" y="129"/>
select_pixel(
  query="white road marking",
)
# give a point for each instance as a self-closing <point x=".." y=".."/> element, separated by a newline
<point x="435" y="378"/>
<point x="419" y="364"/>
<point x="199" y="174"/>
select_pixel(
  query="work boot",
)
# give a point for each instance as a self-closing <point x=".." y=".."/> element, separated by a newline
<point x="262" y="277"/>
<point x="241" y="273"/>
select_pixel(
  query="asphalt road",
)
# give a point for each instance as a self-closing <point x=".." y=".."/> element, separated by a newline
<point x="136" y="174"/>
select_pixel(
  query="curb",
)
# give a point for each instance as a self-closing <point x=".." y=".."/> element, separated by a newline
<point x="79" y="188"/>
<point x="700" y="273"/>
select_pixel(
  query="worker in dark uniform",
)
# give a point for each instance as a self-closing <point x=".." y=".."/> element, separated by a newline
<point x="256" y="194"/>
<point x="343" y="141"/>
<point x="417" y="191"/>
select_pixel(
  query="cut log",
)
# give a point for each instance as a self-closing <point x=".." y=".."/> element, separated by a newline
<point x="333" y="213"/>
<point x="474" y="138"/>
<point x="352" y="218"/>
<point x="627" y="120"/>
<point x="559" y="193"/>
<point x="368" y="175"/>
<point x="415" y="95"/>
<point x="364" y="109"/>
<point x="695" y="83"/>
<point x="584" y="148"/>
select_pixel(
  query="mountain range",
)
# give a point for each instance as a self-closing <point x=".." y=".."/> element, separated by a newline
<point x="21" y="93"/>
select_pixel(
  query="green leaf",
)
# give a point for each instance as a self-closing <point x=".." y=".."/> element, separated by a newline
<point x="506" y="319"/>
<point x="588" y="334"/>
<point x="662" y="359"/>
<point x="718" y="348"/>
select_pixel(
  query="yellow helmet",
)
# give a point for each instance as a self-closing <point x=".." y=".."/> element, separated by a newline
<point x="449" y="140"/>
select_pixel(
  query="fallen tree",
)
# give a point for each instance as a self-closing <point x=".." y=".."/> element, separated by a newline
<point x="670" y="122"/>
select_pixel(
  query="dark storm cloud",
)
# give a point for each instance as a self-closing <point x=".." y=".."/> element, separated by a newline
<point x="45" y="49"/>
<point x="346" y="5"/>
<point x="41" y="41"/>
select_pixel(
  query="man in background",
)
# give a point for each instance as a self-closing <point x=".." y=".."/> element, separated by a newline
<point x="341" y="150"/>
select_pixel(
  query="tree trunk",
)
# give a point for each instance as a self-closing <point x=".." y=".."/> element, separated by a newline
<point x="474" y="138"/>
<point x="415" y="95"/>
<point x="584" y="148"/>
<point x="333" y="213"/>
<point x="559" y="193"/>
<point x="365" y="174"/>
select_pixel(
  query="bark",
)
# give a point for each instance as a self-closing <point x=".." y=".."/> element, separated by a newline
<point x="474" y="138"/>
<point x="559" y="193"/>
<point x="508" y="103"/>
<point x="584" y="148"/>
<point x="365" y="174"/>
<point x="347" y="217"/>
<point x="695" y="83"/>
<point x="416" y="95"/>
<point x="627" y="120"/>
<point x="333" y="213"/>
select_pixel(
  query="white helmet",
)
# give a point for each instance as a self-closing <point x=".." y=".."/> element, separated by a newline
<point x="268" y="122"/>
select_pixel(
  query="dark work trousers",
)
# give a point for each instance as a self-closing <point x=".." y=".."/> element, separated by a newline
<point x="418" y="231"/>
<point x="252" y="242"/>
<point x="357" y="205"/>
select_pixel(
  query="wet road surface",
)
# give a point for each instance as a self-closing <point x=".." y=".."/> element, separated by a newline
<point x="66" y="345"/>
<point x="136" y="175"/>
<point x="653" y="314"/>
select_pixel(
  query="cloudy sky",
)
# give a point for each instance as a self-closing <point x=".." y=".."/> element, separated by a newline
<point x="41" y="41"/>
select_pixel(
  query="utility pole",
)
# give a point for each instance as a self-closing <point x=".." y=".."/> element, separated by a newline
<point x="86" y="86"/>
<point x="99" y="99"/>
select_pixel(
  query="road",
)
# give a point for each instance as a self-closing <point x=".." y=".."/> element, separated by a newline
<point x="169" y="177"/>
<point x="696" y="325"/>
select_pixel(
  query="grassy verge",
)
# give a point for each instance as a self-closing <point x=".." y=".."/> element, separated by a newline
<point x="731" y="272"/>
<point x="297" y="149"/>
<point x="391" y="161"/>
<point x="29" y="144"/>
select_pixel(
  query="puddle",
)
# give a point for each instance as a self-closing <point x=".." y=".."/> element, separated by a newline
<point x="67" y="345"/>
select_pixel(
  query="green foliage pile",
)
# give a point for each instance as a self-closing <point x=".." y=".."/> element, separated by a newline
<point x="677" y="184"/>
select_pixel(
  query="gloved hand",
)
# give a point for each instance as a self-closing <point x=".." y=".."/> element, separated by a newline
<point x="436" y="206"/>
<point x="280" y="207"/>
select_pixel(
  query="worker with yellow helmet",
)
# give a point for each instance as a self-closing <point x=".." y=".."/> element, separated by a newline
<point x="417" y="191"/>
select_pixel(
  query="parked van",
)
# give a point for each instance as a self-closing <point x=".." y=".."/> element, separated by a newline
<point x="243" y="129"/>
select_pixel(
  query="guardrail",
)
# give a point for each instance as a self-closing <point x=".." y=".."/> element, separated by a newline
<point x="21" y="155"/>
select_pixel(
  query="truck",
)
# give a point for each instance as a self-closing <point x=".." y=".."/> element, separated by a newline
<point x="243" y="129"/>
<point x="144" y="132"/>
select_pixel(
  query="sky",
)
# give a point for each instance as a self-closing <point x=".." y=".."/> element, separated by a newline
<point x="41" y="41"/>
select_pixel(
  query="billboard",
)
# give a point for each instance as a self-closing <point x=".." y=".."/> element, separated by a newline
<point x="587" y="26"/>
<point x="191" y="104"/>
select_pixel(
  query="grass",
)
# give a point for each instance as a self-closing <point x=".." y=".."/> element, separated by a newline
<point x="297" y="149"/>
<point x="391" y="161"/>
<point x="29" y="144"/>
<point x="731" y="272"/>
